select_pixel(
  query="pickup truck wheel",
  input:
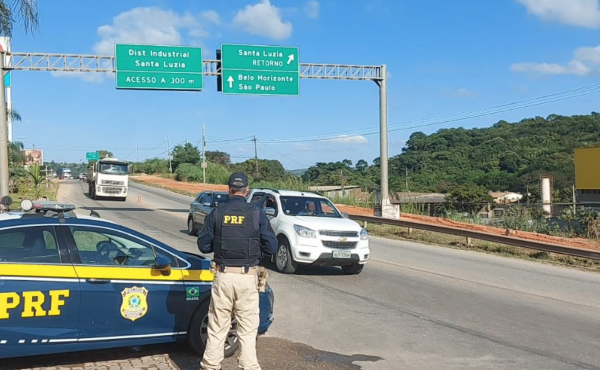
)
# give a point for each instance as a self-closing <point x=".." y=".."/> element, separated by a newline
<point x="191" y="229"/>
<point x="198" y="332"/>
<point x="284" y="262"/>
<point x="353" y="269"/>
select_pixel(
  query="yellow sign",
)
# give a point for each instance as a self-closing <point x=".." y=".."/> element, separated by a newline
<point x="587" y="176"/>
<point x="235" y="220"/>
<point x="33" y="303"/>
<point x="134" y="304"/>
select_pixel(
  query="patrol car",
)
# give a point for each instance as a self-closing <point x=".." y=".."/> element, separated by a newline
<point x="71" y="283"/>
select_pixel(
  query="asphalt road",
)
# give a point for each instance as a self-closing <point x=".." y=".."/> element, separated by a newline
<point x="414" y="306"/>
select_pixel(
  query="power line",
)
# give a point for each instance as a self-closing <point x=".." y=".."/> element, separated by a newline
<point x="550" y="98"/>
<point x="285" y="156"/>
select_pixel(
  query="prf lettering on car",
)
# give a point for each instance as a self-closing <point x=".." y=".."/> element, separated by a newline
<point x="233" y="220"/>
<point x="33" y="303"/>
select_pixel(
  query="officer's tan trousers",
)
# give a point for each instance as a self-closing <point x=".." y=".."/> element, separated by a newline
<point x="238" y="293"/>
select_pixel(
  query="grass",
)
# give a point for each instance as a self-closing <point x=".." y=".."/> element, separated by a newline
<point x="457" y="242"/>
<point x="49" y="191"/>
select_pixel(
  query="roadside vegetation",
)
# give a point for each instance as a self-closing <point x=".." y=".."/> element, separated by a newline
<point x="456" y="242"/>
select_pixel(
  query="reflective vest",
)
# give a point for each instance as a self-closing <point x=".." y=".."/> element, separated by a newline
<point x="236" y="240"/>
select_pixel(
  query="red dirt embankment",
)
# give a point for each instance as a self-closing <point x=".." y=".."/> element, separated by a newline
<point x="569" y="242"/>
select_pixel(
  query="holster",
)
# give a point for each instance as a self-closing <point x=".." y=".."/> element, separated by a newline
<point x="213" y="267"/>
<point x="262" y="279"/>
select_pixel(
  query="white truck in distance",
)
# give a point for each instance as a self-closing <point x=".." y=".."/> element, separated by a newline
<point x="109" y="177"/>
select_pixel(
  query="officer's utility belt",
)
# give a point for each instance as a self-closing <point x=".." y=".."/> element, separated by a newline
<point x="238" y="270"/>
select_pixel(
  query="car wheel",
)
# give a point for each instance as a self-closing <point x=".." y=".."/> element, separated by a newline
<point x="198" y="332"/>
<point x="284" y="262"/>
<point x="191" y="229"/>
<point x="352" y="269"/>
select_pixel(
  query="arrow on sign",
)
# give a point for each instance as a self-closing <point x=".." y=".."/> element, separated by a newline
<point x="290" y="58"/>
<point x="230" y="80"/>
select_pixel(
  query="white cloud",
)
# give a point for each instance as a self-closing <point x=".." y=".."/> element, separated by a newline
<point x="263" y="19"/>
<point x="148" y="25"/>
<point x="586" y="60"/>
<point x="349" y="139"/>
<point x="462" y="93"/>
<point x="312" y="9"/>
<point x="211" y="16"/>
<point x="583" y="13"/>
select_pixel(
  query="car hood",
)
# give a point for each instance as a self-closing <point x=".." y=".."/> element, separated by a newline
<point x="326" y="223"/>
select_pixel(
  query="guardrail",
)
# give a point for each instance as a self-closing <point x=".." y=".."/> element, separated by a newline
<point x="472" y="234"/>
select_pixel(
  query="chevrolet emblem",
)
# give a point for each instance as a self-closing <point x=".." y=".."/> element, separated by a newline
<point x="343" y="239"/>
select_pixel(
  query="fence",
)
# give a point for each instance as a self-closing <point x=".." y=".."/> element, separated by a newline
<point x="472" y="234"/>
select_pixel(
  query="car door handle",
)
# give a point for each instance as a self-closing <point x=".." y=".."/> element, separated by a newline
<point x="98" y="281"/>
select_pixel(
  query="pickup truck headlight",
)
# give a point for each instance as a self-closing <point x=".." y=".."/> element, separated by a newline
<point x="363" y="234"/>
<point x="305" y="232"/>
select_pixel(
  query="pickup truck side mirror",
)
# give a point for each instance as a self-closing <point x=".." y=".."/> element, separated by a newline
<point x="270" y="211"/>
<point x="345" y="215"/>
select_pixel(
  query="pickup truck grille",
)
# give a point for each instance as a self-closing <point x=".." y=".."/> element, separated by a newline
<point x="112" y="182"/>
<point x="339" y="245"/>
<point x="111" y="190"/>
<point x="344" y="234"/>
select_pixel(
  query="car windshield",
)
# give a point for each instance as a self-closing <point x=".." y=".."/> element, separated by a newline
<point x="220" y="198"/>
<point x="307" y="206"/>
<point x="113" y="168"/>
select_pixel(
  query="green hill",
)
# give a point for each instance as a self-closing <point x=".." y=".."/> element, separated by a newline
<point x="505" y="156"/>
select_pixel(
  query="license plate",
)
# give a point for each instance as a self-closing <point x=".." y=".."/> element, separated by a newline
<point x="342" y="254"/>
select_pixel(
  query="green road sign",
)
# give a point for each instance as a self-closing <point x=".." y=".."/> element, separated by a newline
<point x="92" y="156"/>
<point x="259" y="70"/>
<point x="158" y="67"/>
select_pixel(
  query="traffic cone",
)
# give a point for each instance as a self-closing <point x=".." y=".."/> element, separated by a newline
<point x="139" y="198"/>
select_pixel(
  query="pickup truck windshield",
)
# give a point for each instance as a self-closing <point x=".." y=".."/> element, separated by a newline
<point x="113" y="168"/>
<point x="306" y="206"/>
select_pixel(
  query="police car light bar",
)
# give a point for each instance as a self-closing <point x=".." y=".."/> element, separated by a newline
<point x="53" y="206"/>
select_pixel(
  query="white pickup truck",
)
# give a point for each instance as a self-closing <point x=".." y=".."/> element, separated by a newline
<point x="311" y="230"/>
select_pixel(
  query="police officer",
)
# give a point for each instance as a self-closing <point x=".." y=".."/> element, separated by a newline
<point x="238" y="233"/>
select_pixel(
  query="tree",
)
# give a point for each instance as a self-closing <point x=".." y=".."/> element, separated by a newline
<point x="24" y="11"/>
<point x="35" y="175"/>
<point x="347" y="162"/>
<point x="218" y="157"/>
<point x="187" y="153"/>
<point x="361" y="165"/>
<point x="469" y="195"/>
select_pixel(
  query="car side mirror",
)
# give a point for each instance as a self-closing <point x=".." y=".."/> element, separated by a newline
<point x="270" y="211"/>
<point x="163" y="264"/>
<point x="345" y="215"/>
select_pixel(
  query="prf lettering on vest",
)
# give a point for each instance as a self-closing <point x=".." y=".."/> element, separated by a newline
<point x="32" y="303"/>
<point x="233" y="220"/>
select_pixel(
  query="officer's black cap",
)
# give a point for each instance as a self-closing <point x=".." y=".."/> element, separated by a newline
<point x="238" y="181"/>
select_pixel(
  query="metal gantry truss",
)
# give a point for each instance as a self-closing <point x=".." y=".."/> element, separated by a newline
<point x="106" y="64"/>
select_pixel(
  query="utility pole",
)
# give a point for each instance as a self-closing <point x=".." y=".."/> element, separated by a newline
<point x="169" y="154"/>
<point x="256" y="156"/>
<point x="383" y="136"/>
<point x="406" y="178"/>
<point x="137" y="153"/>
<point x="204" y="154"/>
<point x="3" y="132"/>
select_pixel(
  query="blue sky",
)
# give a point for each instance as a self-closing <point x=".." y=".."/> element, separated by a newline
<point x="444" y="58"/>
